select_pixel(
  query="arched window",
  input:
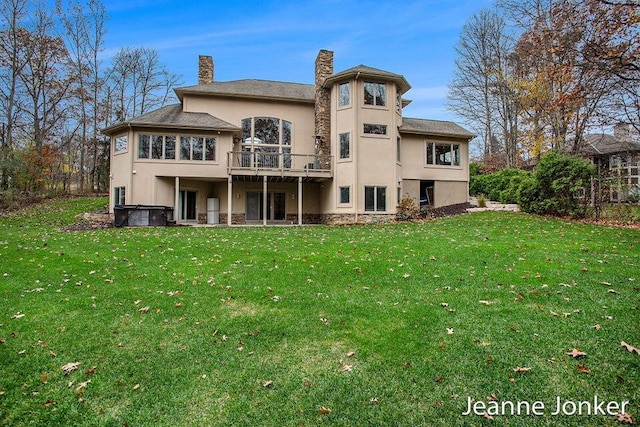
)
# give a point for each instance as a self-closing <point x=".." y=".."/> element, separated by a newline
<point x="269" y="138"/>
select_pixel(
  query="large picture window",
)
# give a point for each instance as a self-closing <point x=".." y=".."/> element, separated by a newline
<point x="375" y="199"/>
<point x="270" y="138"/>
<point x="443" y="154"/>
<point x="163" y="147"/>
<point x="375" y="94"/>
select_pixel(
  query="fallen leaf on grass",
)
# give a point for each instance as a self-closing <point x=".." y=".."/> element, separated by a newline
<point x="487" y="416"/>
<point x="521" y="369"/>
<point x="576" y="353"/>
<point x="485" y="302"/>
<point x="91" y="371"/>
<point x="324" y="410"/>
<point x="597" y="326"/>
<point x="135" y="387"/>
<point x="70" y="367"/>
<point x="449" y="331"/>
<point x="18" y="315"/>
<point x="584" y="369"/>
<point x="347" y="368"/>
<point x="625" y="418"/>
<point x="82" y="385"/>
<point x="351" y="354"/>
<point x="267" y="384"/>
<point x="630" y="348"/>
<point x="144" y="309"/>
<point x="373" y="401"/>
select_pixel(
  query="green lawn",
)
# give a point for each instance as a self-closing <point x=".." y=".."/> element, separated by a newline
<point x="367" y="325"/>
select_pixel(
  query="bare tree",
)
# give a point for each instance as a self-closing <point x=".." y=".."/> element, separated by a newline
<point x="85" y="30"/>
<point x="13" y="60"/>
<point x="139" y="82"/>
<point x="480" y="91"/>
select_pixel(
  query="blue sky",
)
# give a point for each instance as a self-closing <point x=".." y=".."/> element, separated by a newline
<point x="279" y="40"/>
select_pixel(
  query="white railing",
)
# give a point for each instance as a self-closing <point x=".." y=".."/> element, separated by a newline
<point x="278" y="162"/>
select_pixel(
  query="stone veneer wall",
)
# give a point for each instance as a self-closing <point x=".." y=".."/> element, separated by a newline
<point x="235" y="219"/>
<point x="323" y="70"/>
<point x="337" y="219"/>
<point x="205" y="69"/>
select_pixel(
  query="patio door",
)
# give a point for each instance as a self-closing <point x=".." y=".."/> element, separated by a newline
<point x="276" y="206"/>
<point x="187" y="205"/>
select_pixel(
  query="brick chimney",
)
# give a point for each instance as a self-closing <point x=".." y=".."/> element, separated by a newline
<point x="324" y="69"/>
<point x="205" y="69"/>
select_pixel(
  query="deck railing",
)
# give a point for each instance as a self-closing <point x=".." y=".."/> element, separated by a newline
<point x="279" y="163"/>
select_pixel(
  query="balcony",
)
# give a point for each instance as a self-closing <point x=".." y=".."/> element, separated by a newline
<point x="244" y="163"/>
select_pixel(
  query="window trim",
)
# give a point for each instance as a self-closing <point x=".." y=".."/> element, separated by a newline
<point x="374" y="103"/>
<point x="376" y="189"/>
<point x="124" y="137"/>
<point x="119" y="192"/>
<point x="340" y="158"/>
<point x="375" y="135"/>
<point x="348" y="86"/>
<point x="430" y="148"/>
<point x="177" y="147"/>
<point x="340" y="202"/>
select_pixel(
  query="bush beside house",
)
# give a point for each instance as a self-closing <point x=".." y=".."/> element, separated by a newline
<point x="560" y="186"/>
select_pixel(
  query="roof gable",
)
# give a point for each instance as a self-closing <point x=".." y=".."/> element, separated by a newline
<point x="172" y="116"/>
<point x="255" y="89"/>
<point x="435" y="128"/>
<point x="369" y="72"/>
<point x="603" y="143"/>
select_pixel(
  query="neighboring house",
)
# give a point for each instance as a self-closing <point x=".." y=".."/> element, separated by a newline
<point x="338" y="151"/>
<point x="617" y="158"/>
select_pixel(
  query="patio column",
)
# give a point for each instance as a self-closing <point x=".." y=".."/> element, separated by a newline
<point x="299" y="200"/>
<point x="176" y="201"/>
<point x="229" y="198"/>
<point x="264" y="200"/>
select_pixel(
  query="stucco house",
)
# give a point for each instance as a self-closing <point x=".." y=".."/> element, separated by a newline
<point x="257" y="151"/>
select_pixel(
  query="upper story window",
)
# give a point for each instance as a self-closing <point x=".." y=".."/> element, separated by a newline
<point x="374" y="129"/>
<point x="344" y="94"/>
<point x="270" y="137"/>
<point x="120" y="144"/>
<point x="443" y="154"/>
<point x="345" y="145"/>
<point x="375" y="94"/>
<point x="398" y="101"/>
<point x="197" y="148"/>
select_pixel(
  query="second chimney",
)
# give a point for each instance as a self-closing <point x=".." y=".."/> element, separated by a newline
<point x="324" y="69"/>
<point x="205" y="69"/>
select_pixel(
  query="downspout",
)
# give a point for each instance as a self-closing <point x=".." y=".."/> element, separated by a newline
<point x="356" y="140"/>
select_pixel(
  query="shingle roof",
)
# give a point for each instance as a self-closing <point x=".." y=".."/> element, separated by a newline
<point x="369" y="72"/>
<point x="434" y="127"/>
<point x="173" y="116"/>
<point x="603" y="143"/>
<point x="251" y="88"/>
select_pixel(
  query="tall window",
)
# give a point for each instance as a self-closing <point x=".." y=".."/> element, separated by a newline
<point x="118" y="196"/>
<point x="345" y="145"/>
<point x="344" y="94"/>
<point x="120" y="144"/>
<point x="375" y="94"/>
<point x="375" y="199"/>
<point x="270" y="137"/>
<point x="345" y="195"/>
<point x="443" y="154"/>
<point x="398" y="150"/>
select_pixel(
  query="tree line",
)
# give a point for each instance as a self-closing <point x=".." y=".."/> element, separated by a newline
<point x="533" y="76"/>
<point x="58" y="90"/>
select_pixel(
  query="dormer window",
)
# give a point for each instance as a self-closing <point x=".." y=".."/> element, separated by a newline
<point x="375" y="94"/>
